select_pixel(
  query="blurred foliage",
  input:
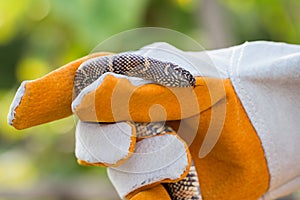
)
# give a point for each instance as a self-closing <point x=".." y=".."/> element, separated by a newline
<point x="37" y="36"/>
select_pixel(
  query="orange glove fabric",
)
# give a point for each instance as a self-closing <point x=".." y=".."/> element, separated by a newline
<point x="236" y="167"/>
<point x="47" y="98"/>
<point x="157" y="192"/>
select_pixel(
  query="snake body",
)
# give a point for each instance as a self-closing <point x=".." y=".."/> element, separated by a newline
<point x="164" y="73"/>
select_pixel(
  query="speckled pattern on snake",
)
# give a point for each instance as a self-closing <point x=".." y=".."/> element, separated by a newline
<point x="164" y="73"/>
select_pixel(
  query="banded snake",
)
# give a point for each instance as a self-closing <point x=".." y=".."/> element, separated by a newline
<point x="164" y="73"/>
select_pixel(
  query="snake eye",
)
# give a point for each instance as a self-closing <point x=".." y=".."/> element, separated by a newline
<point x="176" y="67"/>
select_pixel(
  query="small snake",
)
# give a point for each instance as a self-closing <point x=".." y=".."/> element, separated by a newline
<point x="164" y="73"/>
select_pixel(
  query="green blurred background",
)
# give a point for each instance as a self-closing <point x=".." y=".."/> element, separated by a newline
<point x="37" y="36"/>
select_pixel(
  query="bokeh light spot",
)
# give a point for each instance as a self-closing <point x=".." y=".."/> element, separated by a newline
<point x="39" y="10"/>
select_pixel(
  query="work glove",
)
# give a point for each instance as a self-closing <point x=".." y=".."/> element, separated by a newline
<point x="240" y="121"/>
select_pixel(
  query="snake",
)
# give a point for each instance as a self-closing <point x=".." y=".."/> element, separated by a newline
<point x="164" y="73"/>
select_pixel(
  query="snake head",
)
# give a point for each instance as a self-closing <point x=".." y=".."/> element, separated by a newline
<point x="185" y="77"/>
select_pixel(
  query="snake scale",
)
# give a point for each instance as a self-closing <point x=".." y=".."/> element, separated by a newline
<point x="164" y="73"/>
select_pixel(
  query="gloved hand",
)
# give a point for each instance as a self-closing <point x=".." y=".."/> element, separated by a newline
<point x="241" y="120"/>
